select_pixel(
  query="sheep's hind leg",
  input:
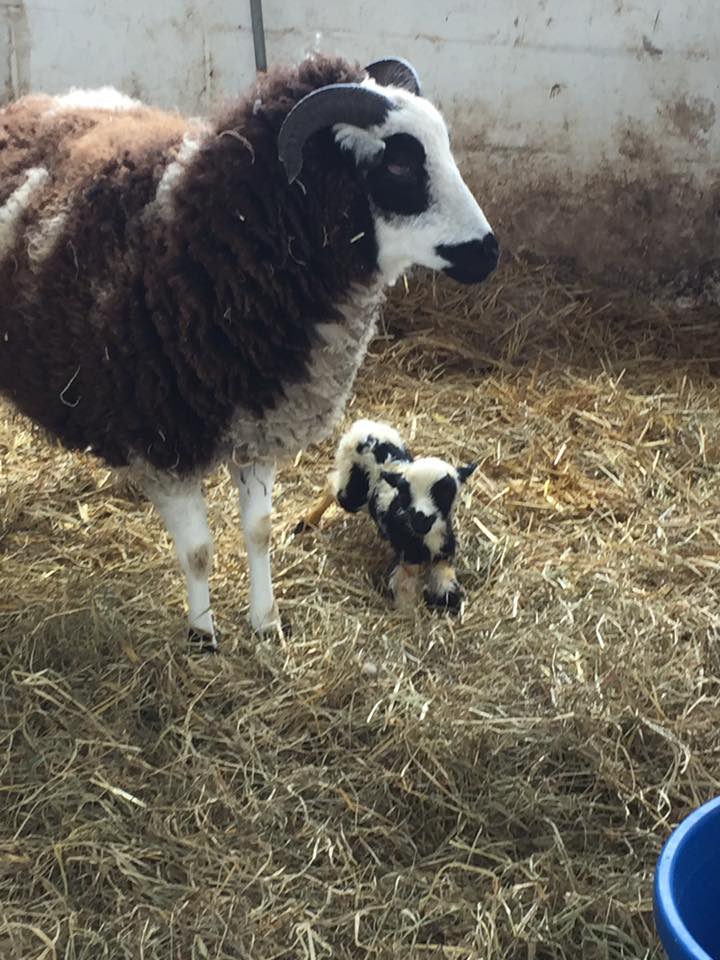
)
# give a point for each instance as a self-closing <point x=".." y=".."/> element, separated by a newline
<point x="312" y="517"/>
<point x="182" y="507"/>
<point x="442" y="590"/>
<point x="255" y="482"/>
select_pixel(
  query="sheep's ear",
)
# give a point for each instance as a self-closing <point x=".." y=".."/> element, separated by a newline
<point x="395" y="480"/>
<point x="397" y="72"/>
<point x="467" y="471"/>
<point x="367" y="150"/>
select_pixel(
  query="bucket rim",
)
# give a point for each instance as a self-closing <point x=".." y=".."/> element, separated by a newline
<point x="670" y="924"/>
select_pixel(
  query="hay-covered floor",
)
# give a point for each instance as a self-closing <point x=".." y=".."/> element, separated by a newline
<point x="373" y="786"/>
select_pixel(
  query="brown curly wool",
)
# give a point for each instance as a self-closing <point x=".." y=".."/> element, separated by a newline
<point x="139" y="324"/>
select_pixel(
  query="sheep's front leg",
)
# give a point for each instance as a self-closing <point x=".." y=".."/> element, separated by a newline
<point x="442" y="590"/>
<point x="255" y="482"/>
<point x="404" y="584"/>
<point x="182" y="507"/>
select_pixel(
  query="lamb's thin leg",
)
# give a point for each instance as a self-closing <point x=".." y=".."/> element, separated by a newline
<point x="312" y="517"/>
<point x="404" y="584"/>
<point x="442" y="590"/>
<point x="255" y="482"/>
<point x="182" y="507"/>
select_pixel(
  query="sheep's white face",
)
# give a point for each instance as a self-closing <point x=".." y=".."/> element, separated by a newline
<point x="418" y="508"/>
<point x="424" y="212"/>
<point x="432" y="486"/>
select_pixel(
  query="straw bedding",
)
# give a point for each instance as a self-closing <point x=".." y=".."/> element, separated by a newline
<point x="378" y="785"/>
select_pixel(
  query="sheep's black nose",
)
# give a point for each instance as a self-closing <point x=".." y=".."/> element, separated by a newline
<point x="420" y="522"/>
<point x="472" y="261"/>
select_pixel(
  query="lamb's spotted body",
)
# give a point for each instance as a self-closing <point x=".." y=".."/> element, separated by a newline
<point x="410" y="500"/>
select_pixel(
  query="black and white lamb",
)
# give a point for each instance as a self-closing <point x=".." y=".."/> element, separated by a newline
<point x="178" y="293"/>
<point x="411" y="501"/>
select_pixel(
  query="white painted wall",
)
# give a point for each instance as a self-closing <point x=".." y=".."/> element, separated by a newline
<point x="177" y="53"/>
<point x="562" y="79"/>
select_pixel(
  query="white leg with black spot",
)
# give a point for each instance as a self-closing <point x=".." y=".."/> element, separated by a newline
<point x="182" y="507"/>
<point x="255" y="483"/>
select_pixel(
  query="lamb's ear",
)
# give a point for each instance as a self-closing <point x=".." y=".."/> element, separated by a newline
<point x="465" y="472"/>
<point x="367" y="149"/>
<point x="395" y="480"/>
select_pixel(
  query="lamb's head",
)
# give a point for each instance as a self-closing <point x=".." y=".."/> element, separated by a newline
<point x="419" y="517"/>
<point x="423" y="211"/>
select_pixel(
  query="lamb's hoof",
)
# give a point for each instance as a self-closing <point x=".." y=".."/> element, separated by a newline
<point x="404" y="587"/>
<point x="202" y="643"/>
<point x="305" y="525"/>
<point x="449" y="602"/>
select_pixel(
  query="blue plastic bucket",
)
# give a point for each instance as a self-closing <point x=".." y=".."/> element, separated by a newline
<point x="687" y="887"/>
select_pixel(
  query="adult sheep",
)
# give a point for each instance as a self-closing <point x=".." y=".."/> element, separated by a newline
<point x="178" y="293"/>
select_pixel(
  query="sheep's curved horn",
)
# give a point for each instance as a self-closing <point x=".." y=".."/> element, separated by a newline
<point x="337" y="103"/>
<point x="396" y="72"/>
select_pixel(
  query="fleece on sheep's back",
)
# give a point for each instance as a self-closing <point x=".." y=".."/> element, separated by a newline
<point x="186" y="280"/>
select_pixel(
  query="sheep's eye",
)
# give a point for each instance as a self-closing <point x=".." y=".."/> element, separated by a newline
<point x="403" y="170"/>
<point x="400" y="184"/>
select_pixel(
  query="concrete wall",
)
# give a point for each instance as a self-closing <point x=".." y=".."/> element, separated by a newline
<point x="590" y="127"/>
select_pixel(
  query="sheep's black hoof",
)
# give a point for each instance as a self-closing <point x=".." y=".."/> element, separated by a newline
<point x="449" y="602"/>
<point x="202" y="643"/>
<point x="302" y="526"/>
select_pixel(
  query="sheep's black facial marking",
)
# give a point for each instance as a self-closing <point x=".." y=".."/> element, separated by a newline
<point x="355" y="494"/>
<point x="443" y="493"/>
<point x="399" y="183"/>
